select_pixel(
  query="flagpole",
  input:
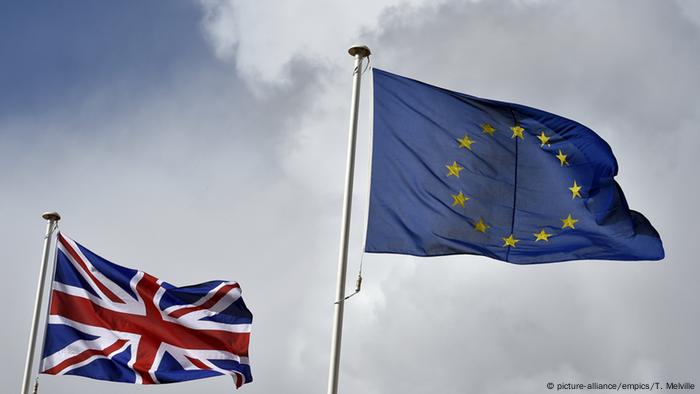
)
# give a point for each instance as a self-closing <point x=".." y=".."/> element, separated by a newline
<point x="52" y="219"/>
<point x="359" y="52"/>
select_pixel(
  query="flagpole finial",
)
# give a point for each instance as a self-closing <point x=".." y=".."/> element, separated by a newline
<point x="51" y="216"/>
<point x="361" y="50"/>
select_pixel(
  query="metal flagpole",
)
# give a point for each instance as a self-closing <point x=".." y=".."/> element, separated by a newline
<point x="52" y="218"/>
<point x="359" y="52"/>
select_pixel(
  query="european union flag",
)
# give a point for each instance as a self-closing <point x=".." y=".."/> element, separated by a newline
<point x="457" y="174"/>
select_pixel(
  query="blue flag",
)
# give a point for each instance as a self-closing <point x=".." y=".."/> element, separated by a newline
<point x="457" y="174"/>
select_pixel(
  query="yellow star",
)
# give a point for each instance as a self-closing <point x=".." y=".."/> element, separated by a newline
<point x="488" y="129"/>
<point x="569" y="222"/>
<point x="517" y="132"/>
<point x="454" y="169"/>
<point x="544" y="139"/>
<point x="465" y="142"/>
<point x="510" y="241"/>
<point x="459" y="199"/>
<point x="542" y="236"/>
<point x="575" y="191"/>
<point x="562" y="158"/>
<point x="481" y="226"/>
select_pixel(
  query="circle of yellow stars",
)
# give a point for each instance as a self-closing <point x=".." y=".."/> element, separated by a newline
<point x="460" y="199"/>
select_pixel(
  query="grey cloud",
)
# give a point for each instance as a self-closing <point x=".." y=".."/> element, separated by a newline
<point x="186" y="183"/>
<point x="208" y="180"/>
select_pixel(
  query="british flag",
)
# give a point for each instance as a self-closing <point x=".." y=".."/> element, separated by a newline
<point x="113" y="323"/>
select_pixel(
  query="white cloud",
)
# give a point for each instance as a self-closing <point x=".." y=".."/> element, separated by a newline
<point x="262" y="37"/>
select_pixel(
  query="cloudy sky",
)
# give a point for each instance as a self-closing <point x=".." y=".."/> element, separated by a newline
<point x="206" y="140"/>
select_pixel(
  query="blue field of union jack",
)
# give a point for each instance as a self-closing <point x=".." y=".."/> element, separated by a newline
<point x="113" y="323"/>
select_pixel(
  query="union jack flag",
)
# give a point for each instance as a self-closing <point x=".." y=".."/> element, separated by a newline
<point x="113" y="323"/>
